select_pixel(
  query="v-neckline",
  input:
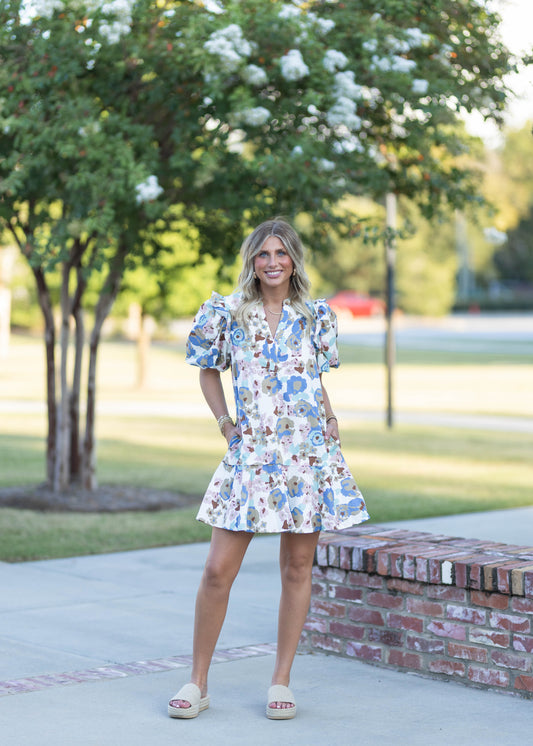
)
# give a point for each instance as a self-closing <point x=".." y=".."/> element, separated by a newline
<point x="273" y="331"/>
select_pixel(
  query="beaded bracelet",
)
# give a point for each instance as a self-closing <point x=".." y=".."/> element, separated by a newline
<point x="221" y="421"/>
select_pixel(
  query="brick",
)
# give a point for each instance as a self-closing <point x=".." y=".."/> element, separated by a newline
<point x="384" y="600"/>
<point x="322" y="555"/>
<point x="316" y="625"/>
<point x="401" y="621"/>
<point x="490" y="600"/>
<point x="523" y="643"/>
<point x="504" y="575"/>
<point x="467" y="652"/>
<point x="365" y="580"/>
<point x="327" y="643"/>
<point x="327" y="607"/>
<point x="389" y="637"/>
<point x="445" y="593"/>
<point x="423" y="645"/>
<point x="350" y="631"/>
<point x="405" y="586"/>
<point x="528" y="581"/>
<point x="507" y="621"/>
<point x="447" y="629"/>
<point x="409" y="567"/>
<point x="405" y="660"/>
<point x="451" y="668"/>
<point x="524" y="683"/>
<point x="485" y="637"/>
<point x="345" y="557"/>
<point x="426" y="608"/>
<point x="466" y="614"/>
<point x="367" y="616"/>
<point x="365" y="652"/>
<point x="318" y="589"/>
<point x="333" y="555"/>
<point x="488" y="676"/>
<point x="510" y="660"/>
<point x="334" y="575"/>
<point x="346" y="593"/>
<point x="475" y="571"/>
<point x="383" y="563"/>
<point x="525" y="605"/>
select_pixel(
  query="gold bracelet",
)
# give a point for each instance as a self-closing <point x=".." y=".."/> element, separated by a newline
<point x="221" y="421"/>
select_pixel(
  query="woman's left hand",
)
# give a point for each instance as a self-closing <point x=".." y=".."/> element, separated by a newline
<point x="332" y="431"/>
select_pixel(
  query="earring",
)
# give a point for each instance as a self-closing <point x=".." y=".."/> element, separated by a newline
<point x="255" y="276"/>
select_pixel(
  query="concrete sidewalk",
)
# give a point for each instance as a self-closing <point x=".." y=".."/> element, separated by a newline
<point x="91" y="649"/>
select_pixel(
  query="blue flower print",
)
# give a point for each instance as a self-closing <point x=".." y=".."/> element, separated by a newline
<point x="245" y="397"/>
<point x="349" y="487"/>
<point x="295" y="487"/>
<point x="297" y="516"/>
<point x="294" y="342"/>
<point x="225" y="489"/>
<point x="284" y="427"/>
<point x="295" y="385"/>
<point x="329" y="500"/>
<point x="252" y="517"/>
<point x="317" y="437"/>
<point x="276" y="498"/>
<point x="347" y="510"/>
<point x="238" y="336"/>
<point x="304" y="409"/>
<point x="271" y="385"/>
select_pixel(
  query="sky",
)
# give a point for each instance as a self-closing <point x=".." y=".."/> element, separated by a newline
<point x="516" y="30"/>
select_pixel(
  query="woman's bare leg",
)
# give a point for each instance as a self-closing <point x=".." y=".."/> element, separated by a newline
<point x="225" y="556"/>
<point x="296" y="562"/>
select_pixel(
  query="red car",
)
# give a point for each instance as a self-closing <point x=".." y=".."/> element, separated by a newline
<point x="357" y="304"/>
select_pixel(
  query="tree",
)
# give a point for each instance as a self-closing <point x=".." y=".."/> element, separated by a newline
<point x="122" y="121"/>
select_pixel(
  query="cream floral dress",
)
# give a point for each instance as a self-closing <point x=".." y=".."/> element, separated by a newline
<point x="282" y="475"/>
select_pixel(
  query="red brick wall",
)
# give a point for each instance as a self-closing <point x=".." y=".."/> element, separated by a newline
<point x="450" y="608"/>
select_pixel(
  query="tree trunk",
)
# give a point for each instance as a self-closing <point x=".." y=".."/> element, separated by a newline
<point x="49" y="340"/>
<point x="75" y="393"/>
<point x="143" y="347"/>
<point x="105" y="302"/>
<point x="64" y="420"/>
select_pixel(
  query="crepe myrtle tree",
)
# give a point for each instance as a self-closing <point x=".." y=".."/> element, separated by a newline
<point x="123" y="121"/>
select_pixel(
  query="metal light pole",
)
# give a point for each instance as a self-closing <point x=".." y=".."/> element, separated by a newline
<point x="390" y="260"/>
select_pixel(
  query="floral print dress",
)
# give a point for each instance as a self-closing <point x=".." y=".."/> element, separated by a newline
<point x="282" y="475"/>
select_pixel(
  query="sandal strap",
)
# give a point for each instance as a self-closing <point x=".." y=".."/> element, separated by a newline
<point x="189" y="693"/>
<point x="280" y="693"/>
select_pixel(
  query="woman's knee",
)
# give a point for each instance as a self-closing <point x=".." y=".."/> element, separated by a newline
<point x="297" y="568"/>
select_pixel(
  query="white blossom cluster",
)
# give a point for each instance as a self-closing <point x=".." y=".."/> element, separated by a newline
<point x="293" y="66"/>
<point x="334" y="60"/>
<point x="420" y="86"/>
<point x="494" y="236"/>
<point x="230" y="46"/>
<point x="111" y="30"/>
<point x="254" y="75"/>
<point x="392" y="64"/>
<point x="343" y="112"/>
<point x="254" y="117"/>
<point x="148" y="190"/>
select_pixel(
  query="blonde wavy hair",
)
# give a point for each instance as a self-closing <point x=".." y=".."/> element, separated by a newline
<point x="249" y="284"/>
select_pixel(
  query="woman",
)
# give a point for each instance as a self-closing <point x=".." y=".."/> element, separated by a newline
<point x="283" y="471"/>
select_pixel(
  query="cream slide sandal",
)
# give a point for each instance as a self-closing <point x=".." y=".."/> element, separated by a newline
<point x="192" y="694"/>
<point x="280" y="693"/>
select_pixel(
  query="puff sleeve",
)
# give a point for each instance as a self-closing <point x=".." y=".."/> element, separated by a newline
<point x="209" y="344"/>
<point x="325" y="336"/>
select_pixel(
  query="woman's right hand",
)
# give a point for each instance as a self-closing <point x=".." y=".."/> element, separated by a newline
<point x="232" y="434"/>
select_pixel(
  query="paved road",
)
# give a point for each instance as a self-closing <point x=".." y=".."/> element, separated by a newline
<point x="510" y="334"/>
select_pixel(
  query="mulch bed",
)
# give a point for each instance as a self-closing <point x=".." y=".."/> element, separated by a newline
<point x="104" y="499"/>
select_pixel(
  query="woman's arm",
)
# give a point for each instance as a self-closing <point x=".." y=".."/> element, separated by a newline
<point x="213" y="392"/>
<point x="332" y="427"/>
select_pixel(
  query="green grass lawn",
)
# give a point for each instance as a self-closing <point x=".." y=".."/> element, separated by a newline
<point x="407" y="472"/>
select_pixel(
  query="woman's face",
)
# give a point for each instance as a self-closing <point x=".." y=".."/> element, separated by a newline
<point x="273" y="265"/>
